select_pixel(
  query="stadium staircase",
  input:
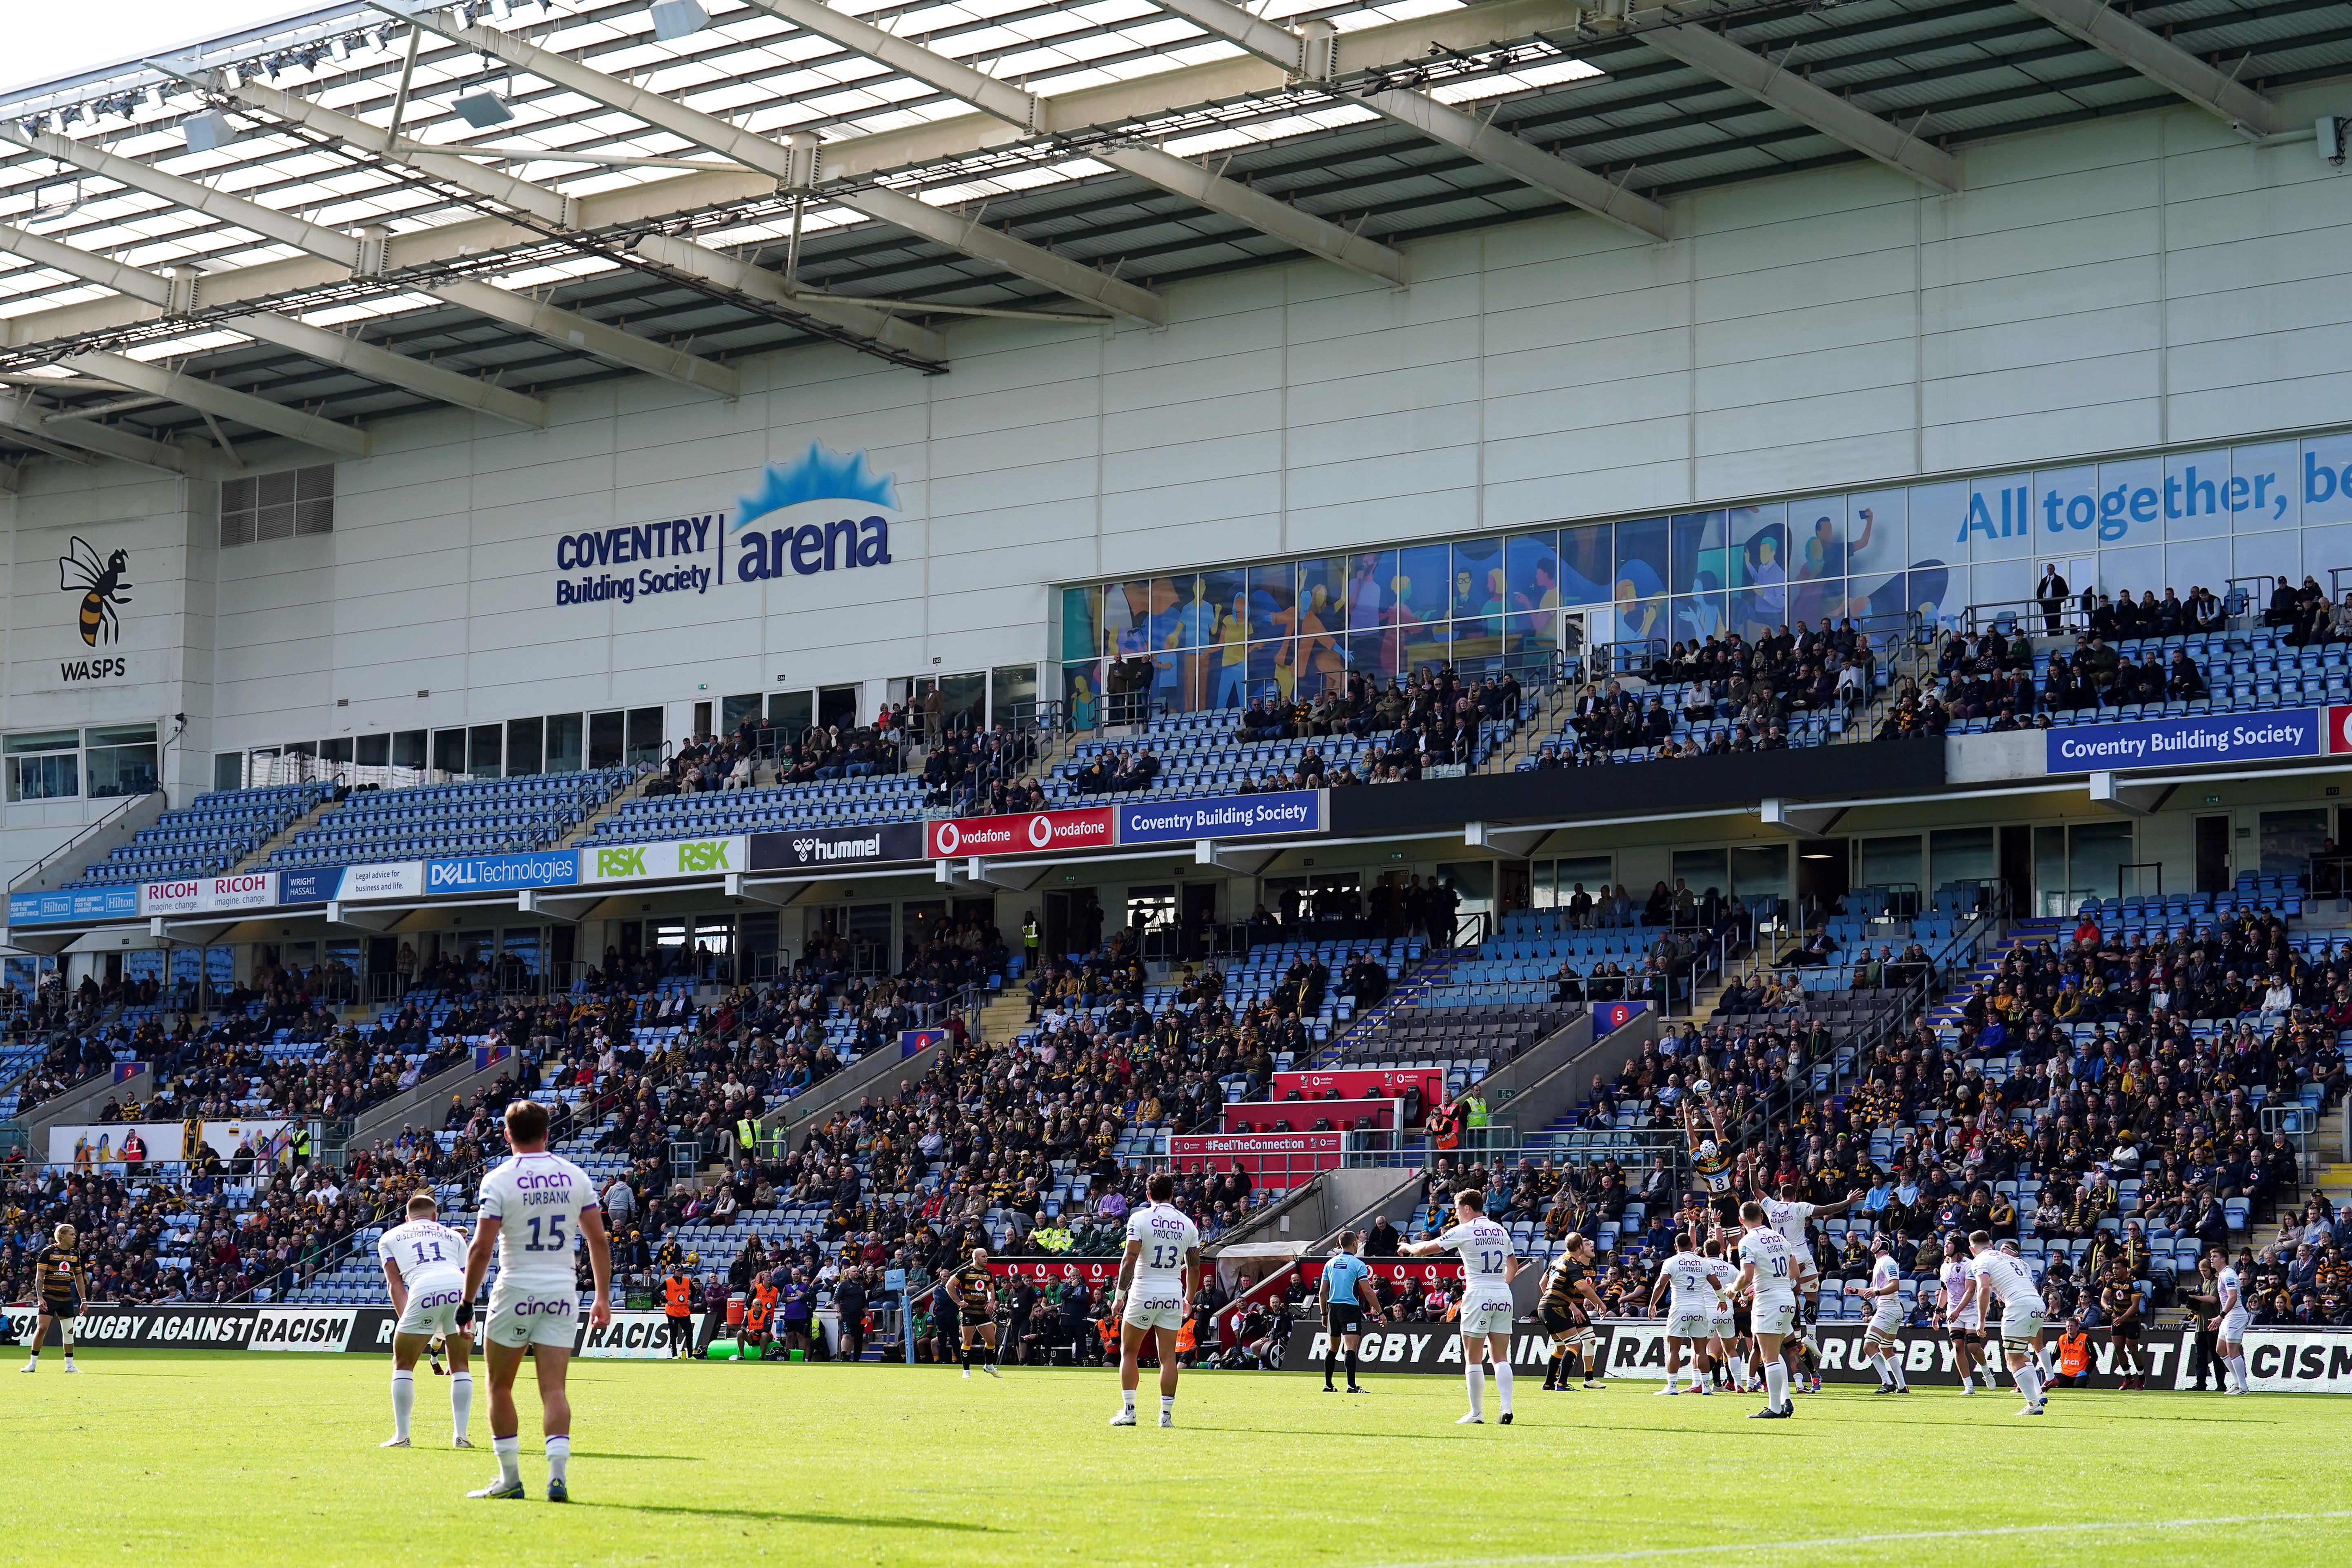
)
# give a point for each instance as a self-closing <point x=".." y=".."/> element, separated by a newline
<point x="1431" y="972"/>
<point x="1005" y="1014"/>
<point x="633" y="790"/>
<point x="259" y="859"/>
<point x="1911" y="657"/>
<point x="2020" y="933"/>
<point x="1547" y="707"/>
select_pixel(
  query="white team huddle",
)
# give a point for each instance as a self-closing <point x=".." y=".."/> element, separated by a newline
<point x="533" y="1208"/>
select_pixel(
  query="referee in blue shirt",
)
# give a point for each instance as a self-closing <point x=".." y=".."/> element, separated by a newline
<point x="1347" y="1295"/>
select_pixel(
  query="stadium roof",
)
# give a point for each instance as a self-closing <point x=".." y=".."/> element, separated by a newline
<point x="276" y="233"/>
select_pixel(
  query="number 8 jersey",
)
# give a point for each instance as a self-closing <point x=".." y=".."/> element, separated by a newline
<point x="537" y="1200"/>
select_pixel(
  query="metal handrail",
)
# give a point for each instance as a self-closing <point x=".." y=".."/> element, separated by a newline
<point x="33" y="876"/>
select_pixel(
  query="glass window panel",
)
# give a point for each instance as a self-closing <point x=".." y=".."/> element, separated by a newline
<point x="1272" y="597"/>
<point x="1699" y="617"/>
<point x="1587" y="563"/>
<point x="1475" y="599"/>
<point x="526" y="746"/>
<point x="1961" y="856"/>
<point x="1322" y="621"/>
<point x="1817" y="555"/>
<point x="276" y="489"/>
<point x="2269" y="555"/>
<point x="1126" y="617"/>
<point x="373" y="751"/>
<point x="1012" y="694"/>
<point x="1891" y="862"/>
<point x="2196" y="494"/>
<point x="1225" y="664"/>
<point x="1696" y="546"/>
<point x="1270" y="671"/>
<point x="314" y="517"/>
<point x="1641" y="593"/>
<point x="2288" y="841"/>
<point x="1081" y="695"/>
<point x="408" y="749"/>
<point x="274" y="522"/>
<point x="1759" y="871"/>
<point x="563" y="742"/>
<point x="2131" y="505"/>
<point x="1757" y="561"/>
<point x="2281" y="490"/>
<point x="1081" y="622"/>
<point x="1531" y="573"/>
<point x="1373" y="613"/>
<point x="1423" y="589"/>
<point x="1877" y="556"/>
<point x="2096" y="854"/>
<point x="1701" y="869"/>
<point x="644" y="735"/>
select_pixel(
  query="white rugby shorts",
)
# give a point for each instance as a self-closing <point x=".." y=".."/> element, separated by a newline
<point x="433" y="1298"/>
<point x="2020" y="1322"/>
<point x="1690" y="1326"/>
<point x="526" y="1314"/>
<point x="1720" y="1322"/>
<point x="1888" y="1321"/>
<point x="1487" y="1314"/>
<point x="2231" y="1329"/>
<point x="1774" y="1314"/>
<point x="1154" y="1310"/>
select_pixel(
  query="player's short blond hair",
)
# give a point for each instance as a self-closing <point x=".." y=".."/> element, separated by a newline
<point x="64" y="1234"/>
<point x="421" y="1204"/>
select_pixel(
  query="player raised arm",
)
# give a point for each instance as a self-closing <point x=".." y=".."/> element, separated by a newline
<point x="1830" y="1210"/>
<point x="600" y="1263"/>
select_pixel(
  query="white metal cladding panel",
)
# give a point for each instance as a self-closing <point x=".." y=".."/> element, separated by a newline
<point x="1555" y="369"/>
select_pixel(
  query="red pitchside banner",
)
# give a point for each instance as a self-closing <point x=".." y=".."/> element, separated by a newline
<point x="1277" y="1160"/>
<point x="1425" y="1269"/>
<point x="1057" y="1271"/>
<point x="1259" y="1116"/>
<point x="1028" y="833"/>
<point x="1361" y="1083"/>
<point x="2339" y="729"/>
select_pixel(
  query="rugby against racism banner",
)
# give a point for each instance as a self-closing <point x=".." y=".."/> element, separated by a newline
<point x="812" y="849"/>
<point x="2278" y="1361"/>
<point x="631" y="1335"/>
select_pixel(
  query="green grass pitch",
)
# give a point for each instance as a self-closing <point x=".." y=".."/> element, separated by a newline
<point x="201" y="1457"/>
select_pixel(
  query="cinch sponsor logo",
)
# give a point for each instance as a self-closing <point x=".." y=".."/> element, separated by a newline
<point x="527" y="1181"/>
<point x="620" y="862"/>
<point x="541" y="1309"/>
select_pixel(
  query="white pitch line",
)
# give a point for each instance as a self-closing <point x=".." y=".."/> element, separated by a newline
<point x="1641" y="1553"/>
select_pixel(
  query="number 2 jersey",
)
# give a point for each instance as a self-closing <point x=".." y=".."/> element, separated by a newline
<point x="422" y="1246"/>
<point x="537" y="1200"/>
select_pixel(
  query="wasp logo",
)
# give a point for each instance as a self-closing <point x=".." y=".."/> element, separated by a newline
<point x="99" y="583"/>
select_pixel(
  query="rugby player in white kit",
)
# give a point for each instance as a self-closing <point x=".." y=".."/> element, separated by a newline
<point x="2229" y="1322"/>
<point x="2006" y="1279"/>
<point x="1789" y="1214"/>
<point x="1690" y="1311"/>
<point x="1962" y="1325"/>
<point x="1768" y="1274"/>
<point x="1881" y="1342"/>
<point x="1488" y="1266"/>
<point x="1157" y="1280"/>
<point x="532" y="1207"/>
<point x="424" y="1268"/>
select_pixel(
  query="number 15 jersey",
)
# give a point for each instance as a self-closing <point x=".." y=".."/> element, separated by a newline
<point x="537" y="1200"/>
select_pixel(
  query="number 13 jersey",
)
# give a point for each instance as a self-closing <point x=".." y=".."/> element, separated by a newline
<point x="537" y="1200"/>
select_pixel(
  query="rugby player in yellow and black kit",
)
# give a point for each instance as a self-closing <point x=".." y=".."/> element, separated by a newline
<point x="62" y="1284"/>
<point x="1566" y="1308"/>
<point x="973" y="1291"/>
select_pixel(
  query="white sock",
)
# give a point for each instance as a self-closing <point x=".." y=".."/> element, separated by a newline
<point x="1740" y="1371"/>
<point x="510" y="1453"/>
<point x="1776" y="1385"/>
<point x="1878" y="1359"/>
<point x="461" y="1400"/>
<point x="1503" y="1386"/>
<point x="1128" y="1394"/>
<point x="1894" y="1365"/>
<point x="559" y="1456"/>
<point x="404" y="1400"/>
<point x="2238" y="1365"/>
<point x="2029" y="1382"/>
<point x="2046" y="1364"/>
<point x="1474" y="1375"/>
<point x="1167" y="1404"/>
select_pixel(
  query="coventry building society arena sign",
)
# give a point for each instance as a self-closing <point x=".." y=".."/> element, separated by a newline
<point x="803" y="504"/>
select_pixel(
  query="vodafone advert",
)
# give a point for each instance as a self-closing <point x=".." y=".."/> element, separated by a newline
<point x="1026" y="833"/>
